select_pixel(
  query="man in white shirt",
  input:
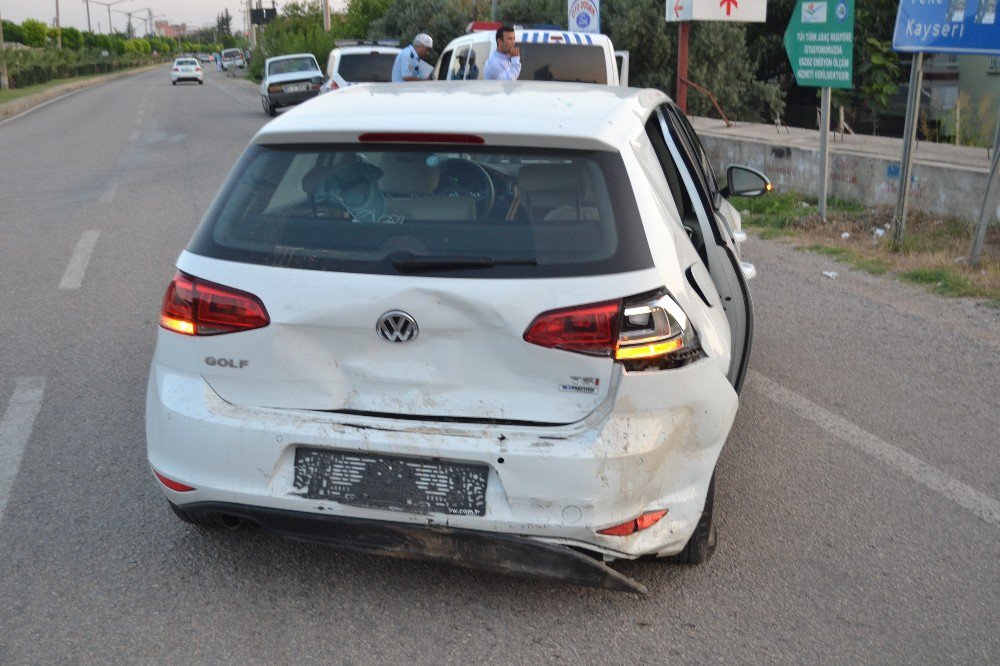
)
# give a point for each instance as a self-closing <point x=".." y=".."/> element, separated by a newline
<point x="407" y="65"/>
<point x="505" y="63"/>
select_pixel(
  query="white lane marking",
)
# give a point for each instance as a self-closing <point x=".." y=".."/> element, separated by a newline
<point x="15" y="430"/>
<point x="965" y="496"/>
<point x="73" y="277"/>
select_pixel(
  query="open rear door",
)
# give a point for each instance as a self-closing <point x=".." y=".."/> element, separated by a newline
<point x="719" y="244"/>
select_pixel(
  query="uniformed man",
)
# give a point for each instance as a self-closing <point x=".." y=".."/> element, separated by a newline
<point x="407" y="65"/>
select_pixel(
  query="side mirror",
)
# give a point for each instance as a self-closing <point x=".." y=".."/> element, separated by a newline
<point x="743" y="181"/>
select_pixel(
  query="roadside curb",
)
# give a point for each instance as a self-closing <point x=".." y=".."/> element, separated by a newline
<point x="22" y="104"/>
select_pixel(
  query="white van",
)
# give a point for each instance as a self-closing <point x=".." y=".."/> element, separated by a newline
<point x="546" y="55"/>
<point x="232" y="59"/>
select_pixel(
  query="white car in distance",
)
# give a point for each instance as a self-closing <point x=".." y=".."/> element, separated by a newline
<point x="186" y="69"/>
<point x="415" y="323"/>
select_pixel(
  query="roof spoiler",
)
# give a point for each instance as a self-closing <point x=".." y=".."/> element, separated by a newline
<point x="365" y="42"/>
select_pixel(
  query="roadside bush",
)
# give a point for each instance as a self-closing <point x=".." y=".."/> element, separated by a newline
<point x="27" y="67"/>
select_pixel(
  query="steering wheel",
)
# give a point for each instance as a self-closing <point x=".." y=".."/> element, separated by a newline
<point x="466" y="178"/>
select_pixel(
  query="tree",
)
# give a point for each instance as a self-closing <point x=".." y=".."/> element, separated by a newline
<point x="34" y="33"/>
<point x="441" y="19"/>
<point x="359" y="16"/>
<point x="551" y="12"/>
<point x="72" y="38"/>
<point x="12" y="32"/>
<point x="224" y="23"/>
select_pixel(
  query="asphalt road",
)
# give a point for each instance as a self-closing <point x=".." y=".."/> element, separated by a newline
<point x="858" y="507"/>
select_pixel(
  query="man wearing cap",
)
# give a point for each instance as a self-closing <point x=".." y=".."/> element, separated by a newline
<point x="407" y="65"/>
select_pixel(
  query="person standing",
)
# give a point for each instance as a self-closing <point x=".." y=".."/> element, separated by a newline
<point x="505" y="63"/>
<point x="407" y="65"/>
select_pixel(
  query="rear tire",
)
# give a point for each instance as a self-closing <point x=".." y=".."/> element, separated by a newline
<point x="272" y="110"/>
<point x="702" y="544"/>
<point x="173" y="83"/>
<point x="200" y="82"/>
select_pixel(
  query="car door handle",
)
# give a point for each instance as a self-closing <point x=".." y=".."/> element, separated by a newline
<point x="739" y="236"/>
<point x="748" y="269"/>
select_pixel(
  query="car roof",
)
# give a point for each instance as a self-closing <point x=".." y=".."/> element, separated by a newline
<point x="351" y="50"/>
<point x="290" y="56"/>
<point x="537" y="36"/>
<point x="553" y="114"/>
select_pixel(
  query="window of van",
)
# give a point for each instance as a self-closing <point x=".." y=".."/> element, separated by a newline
<point x="458" y="68"/>
<point x="560" y="62"/>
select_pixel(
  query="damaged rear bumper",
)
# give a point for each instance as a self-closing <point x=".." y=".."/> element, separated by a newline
<point x="486" y="551"/>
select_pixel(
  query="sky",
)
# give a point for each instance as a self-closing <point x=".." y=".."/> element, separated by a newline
<point x="73" y="13"/>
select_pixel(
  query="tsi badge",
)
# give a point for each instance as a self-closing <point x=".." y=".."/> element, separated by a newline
<point x="588" y="385"/>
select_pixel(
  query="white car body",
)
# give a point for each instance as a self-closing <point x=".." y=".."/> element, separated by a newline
<point x="546" y="55"/>
<point x="186" y="69"/>
<point x="367" y="63"/>
<point x="232" y="59"/>
<point x="569" y="444"/>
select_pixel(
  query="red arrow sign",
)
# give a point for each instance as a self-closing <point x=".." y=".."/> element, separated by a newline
<point x="678" y="8"/>
<point x="729" y="4"/>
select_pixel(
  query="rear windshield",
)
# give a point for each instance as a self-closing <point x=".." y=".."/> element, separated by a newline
<point x="186" y="62"/>
<point x="562" y="62"/>
<point x="487" y="213"/>
<point x="367" y="67"/>
<point x="292" y="65"/>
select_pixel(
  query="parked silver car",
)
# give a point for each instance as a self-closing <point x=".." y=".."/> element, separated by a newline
<point x="289" y="80"/>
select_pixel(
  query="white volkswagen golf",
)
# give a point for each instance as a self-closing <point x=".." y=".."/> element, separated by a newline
<point x="502" y="325"/>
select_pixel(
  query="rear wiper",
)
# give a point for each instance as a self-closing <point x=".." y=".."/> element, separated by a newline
<point x="407" y="261"/>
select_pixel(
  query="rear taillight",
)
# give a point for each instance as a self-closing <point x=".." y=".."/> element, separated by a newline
<point x="275" y="88"/>
<point x="644" y="521"/>
<point x="649" y="331"/>
<point x="197" y="69"/>
<point x="333" y="85"/>
<point x="197" y="307"/>
<point x="589" y="329"/>
<point x="176" y="69"/>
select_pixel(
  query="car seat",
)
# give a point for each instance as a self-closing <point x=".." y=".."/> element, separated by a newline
<point x="347" y="183"/>
<point x="409" y="181"/>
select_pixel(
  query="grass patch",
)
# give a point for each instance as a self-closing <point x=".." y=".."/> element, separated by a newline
<point x="15" y="93"/>
<point x="861" y="237"/>
<point x="944" y="281"/>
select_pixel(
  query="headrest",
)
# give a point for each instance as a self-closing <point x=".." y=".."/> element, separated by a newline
<point x="547" y="177"/>
<point x="409" y="173"/>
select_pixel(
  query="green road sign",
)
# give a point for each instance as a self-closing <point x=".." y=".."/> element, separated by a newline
<point x="820" y="43"/>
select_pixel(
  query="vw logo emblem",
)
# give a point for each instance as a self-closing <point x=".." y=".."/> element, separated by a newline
<point x="397" y="326"/>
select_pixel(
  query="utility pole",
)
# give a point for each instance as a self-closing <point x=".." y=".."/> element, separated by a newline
<point x="4" y="85"/>
<point x="87" y="2"/>
<point x="326" y="14"/>
<point x="58" y="28"/>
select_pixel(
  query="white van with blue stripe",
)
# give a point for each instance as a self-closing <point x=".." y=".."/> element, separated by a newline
<point x="546" y="55"/>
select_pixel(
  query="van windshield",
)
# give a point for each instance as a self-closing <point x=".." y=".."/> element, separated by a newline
<point x="487" y="212"/>
<point x="563" y="62"/>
